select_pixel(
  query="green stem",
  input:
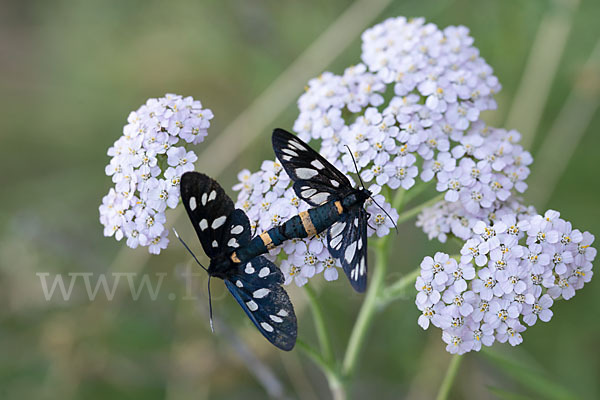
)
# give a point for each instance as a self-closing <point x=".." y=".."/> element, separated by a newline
<point x="451" y="373"/>
<point x="367" y="311"/>
<point x="399" y="198"/>
<point x="399" y="288"/>
<point x="325" y="359"/>
<point x="314" y="355"/>
<point x="405" y="216"/>
<point x="336" y="384"/>
<point x="320" y="326"/>
<point x="417" y="190"/>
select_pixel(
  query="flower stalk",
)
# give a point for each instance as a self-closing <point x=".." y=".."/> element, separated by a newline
<point x="413" y="212"/>
<point x="367" y="311"/>
<point x="448" y="381"/>
<point x="399" y="289"/>
<point x="321" y="328"/>
<point x="377" y="297"/>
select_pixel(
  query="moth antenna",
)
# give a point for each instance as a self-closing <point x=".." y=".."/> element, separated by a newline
<point x="369" y="225"/>
<point x="355" y="166"/>
<point x="210" y="312"/>
<point x="188" y="249"/>
<point x="386" y="213"/>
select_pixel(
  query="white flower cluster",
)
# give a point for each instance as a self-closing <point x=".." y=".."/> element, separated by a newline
<point x="410" y="109"/>
<point x="146" y="166"/>
<point x="510" y="271"/>
<point x="437" y="86"/>
<point x="452" y="218"/>
<point x="269" y="200"/>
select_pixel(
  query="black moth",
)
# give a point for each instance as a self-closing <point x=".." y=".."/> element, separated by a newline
<point x="256" y="282"/>
<point x="317" y="182"/>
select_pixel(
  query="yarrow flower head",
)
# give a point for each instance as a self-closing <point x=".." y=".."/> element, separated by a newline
<point x="410" y="112"/>
<point x="428" y="126"/>
<point x="529" y="261"/>
<point x="146" y="166"/>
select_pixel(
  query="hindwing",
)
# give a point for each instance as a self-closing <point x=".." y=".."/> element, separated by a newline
<point x="256" y="285"/>
<point x="347" y="241"/>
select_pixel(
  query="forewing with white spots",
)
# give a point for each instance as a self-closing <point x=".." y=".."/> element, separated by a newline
<point x="314" y="193"/>
<point x="209" y="209"/>
<point x="316" y="180"/>
<point x="256" y="286"/>
<point x="347" y="241"/>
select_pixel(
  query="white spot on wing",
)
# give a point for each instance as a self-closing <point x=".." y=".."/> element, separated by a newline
<point x="335" y="242"/>
<point x="203" y="224"/>
<point x="252" y="306"/>
<point x="317" y="164"/>
<point x="286" y="158"/>
<point x="192" y="203"/>
<point x="337" y="228"/>
<point x="266" y="327"/>
<point x="249" y="269"/>
<point x="293" y="143"/>
<point x="204" y="198"/>
<point x="334" y="183"/>
<point x="305" y="173"/>
<point x="260" y="293"/>
<point x="237" y="229"/>
<point x="363" y="266"/>
<point x="212" y="195"/>
<point x="282" y="313"/>
<point x="218" y="222"/>
<point x="239" y="283"/>
<point x="215" y="243"/>
<point x="308" y="192"/>
<point x="233" y="243"/>
<point x="275" y="318"/>
<point x="290" y="152"/>
<point x="350" y="250"/>
<point x="264" y="271"/>
<point x="320" y="198"/>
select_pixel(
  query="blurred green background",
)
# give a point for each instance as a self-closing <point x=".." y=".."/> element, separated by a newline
<point x="71" y="71"/>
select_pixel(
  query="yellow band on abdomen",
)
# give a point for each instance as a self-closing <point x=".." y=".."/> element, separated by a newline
<point x="307" y="223"/>
<point x="267" y="240"/>
<point x="338" y="205"/>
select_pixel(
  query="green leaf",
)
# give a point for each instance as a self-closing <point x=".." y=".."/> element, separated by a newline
<point x="530" y="376"/>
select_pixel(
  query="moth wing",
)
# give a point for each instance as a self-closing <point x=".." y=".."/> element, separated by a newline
<point x="347" y="241"/>
<point x="303" y="164"/>
<point x="238" y="231"/>
<point x="315" y="193"/>
<point x="256" y="285"/>
<point x="209" y="209"/>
